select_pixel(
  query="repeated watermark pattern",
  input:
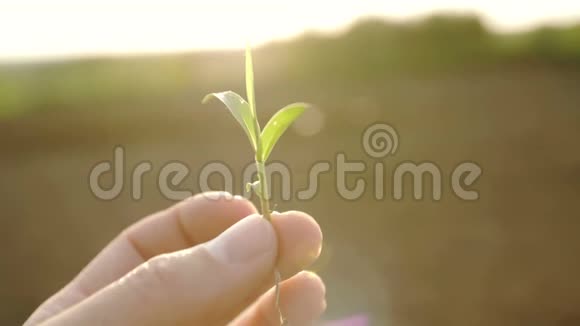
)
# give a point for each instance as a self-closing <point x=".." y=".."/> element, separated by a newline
<point x="379" y="141"/>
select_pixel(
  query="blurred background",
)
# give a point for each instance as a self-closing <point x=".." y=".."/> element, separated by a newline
<point x="493" y="82"/>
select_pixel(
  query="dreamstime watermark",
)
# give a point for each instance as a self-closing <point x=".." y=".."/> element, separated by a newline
<point x="378" y="141"/>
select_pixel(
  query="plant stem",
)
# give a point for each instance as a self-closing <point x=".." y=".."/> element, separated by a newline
<point x="264" y="191"/>
<point x="266" y="213"/>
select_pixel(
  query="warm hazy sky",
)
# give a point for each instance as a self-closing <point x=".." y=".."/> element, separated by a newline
<point x="50" y="28"/>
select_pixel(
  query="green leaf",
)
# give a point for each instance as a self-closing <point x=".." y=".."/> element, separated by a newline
<point x="240" y="109"/>
<point x="276" y="127"/>
<point x="250" y="81"/>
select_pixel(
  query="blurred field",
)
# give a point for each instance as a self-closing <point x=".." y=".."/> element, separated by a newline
<point x="454" y="91"/>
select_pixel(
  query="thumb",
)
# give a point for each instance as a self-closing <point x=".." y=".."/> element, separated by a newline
<point x="203" y="285"/>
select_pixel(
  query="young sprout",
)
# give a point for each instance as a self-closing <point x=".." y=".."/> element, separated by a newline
<point x="262" y="141"/>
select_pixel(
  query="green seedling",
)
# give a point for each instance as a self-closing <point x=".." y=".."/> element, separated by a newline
<point x="261" y="140"/>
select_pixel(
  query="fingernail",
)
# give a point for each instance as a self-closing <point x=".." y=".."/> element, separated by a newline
<point x="216" y="195"/>
<point x="249" y="239"/>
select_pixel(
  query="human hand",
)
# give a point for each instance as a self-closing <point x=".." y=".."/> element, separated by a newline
<point x="208" y="260"/>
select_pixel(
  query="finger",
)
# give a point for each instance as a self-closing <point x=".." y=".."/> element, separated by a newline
<point x="192" y="221"/>
<point x="299" y="245"/>
<point x="202" y="285"/>
<point x="300" y="241"/>
<point x="302" y="300"/>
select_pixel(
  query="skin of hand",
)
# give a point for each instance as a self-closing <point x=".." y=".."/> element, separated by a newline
<point x="208" y="260"/>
